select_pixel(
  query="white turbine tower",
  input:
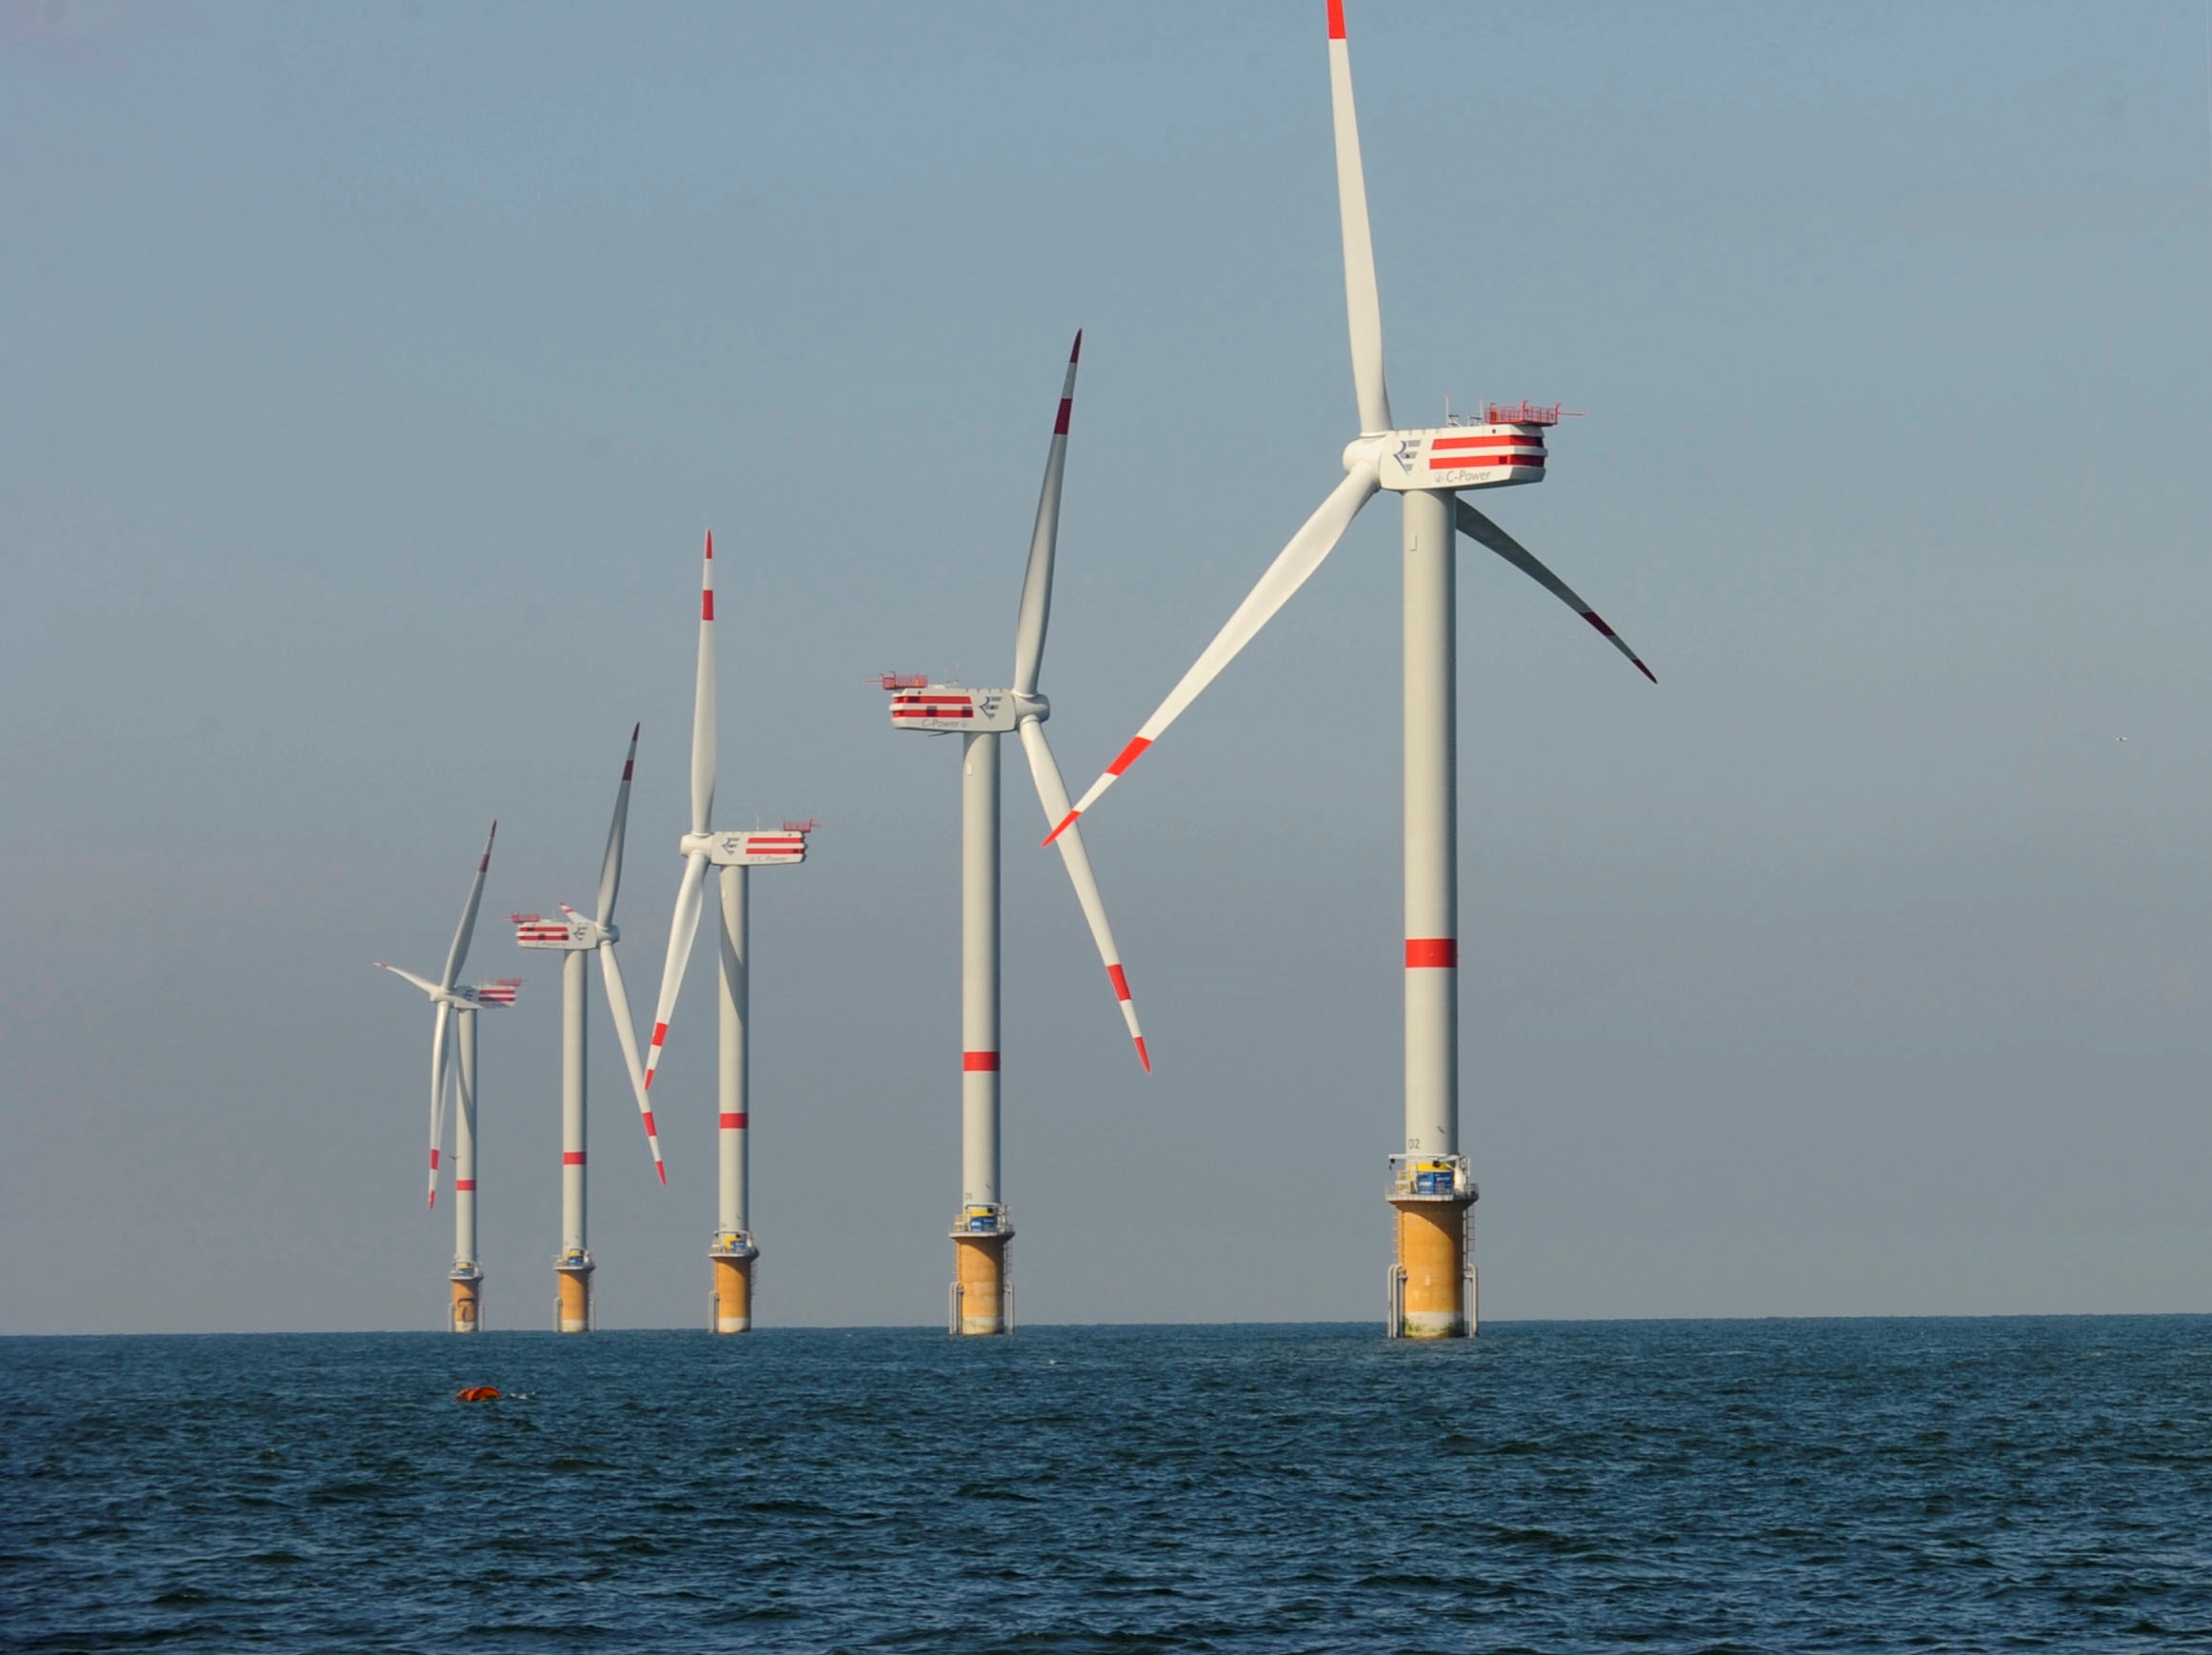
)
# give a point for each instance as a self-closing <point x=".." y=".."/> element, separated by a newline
<point x="1432" y="1281"/>
<point x="981" y="1291"/>
<point x="576" y="937"/>
<point x="733" y="1250"/>
<point x="449" y="997"/>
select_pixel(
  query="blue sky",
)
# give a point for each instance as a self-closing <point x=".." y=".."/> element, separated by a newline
<point x="375" y="370"/>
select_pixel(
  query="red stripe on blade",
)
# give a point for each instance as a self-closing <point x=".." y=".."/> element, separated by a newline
<point x="706" y="604"/>
<point x="1120" y="982"/>
<point x="1060" y="425"/>
<point x="1336" y="19"/>
<point x="434" y="1161"/>
<point x="1433" y="951"/>
<point x="660" y="1032"/>
<point x="1129" y="755"/>
<point x="979" y="1061"/>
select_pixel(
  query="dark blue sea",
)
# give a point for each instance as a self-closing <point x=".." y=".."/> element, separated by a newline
<point x="1989" y="1484"/>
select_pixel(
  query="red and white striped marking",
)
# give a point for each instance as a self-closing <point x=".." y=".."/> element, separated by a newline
<point x="1491" y="452"/>
<point x="1067" y="396"/>
<point x="1123" y="760"/>
<point x="941" y="705"/>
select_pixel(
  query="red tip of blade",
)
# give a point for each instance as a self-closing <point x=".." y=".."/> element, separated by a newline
<point x="633" y="730"/>
<point x="1076" y="352"/>
<point x="711" y="545"/>
<point x="1143" y="1056"/>
<point x="433" y="1201"/>
<point x="1645" y="670"/>
<point x="1336" y="19"/>
<point x="664" y="1172"/>
<point x="1066" y="823"/>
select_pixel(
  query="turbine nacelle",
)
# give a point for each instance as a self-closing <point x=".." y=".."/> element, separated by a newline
<point x="1488" y="456"/>
<point x="942" y="709"/>
<point x="1451" y="457"/>
<point x="573" y="933"/>
<point x="750" y="847"/>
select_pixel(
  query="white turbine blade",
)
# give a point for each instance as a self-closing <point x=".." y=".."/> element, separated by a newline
<point x="1363" y="300"/>
<point x="611" y="865"/>
<point x="1476" y="527"/>
<point x="702" y="738"/>
<point x="459" y="953"/>
<point x="437" y="1091"/>
<point x="681" y="930"/>
<point x="1037" y="582"/>
<point x="423" y="983"/>
<point x="1052" y="794"/>
<point x="626" y="1034"/>
<point x="1315" y="539"/>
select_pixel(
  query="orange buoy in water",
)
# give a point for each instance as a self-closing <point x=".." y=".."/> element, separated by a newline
<point x="477" y="1393"/>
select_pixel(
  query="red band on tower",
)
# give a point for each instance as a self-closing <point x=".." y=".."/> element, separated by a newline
<point x="571" y="1157"/>
<point x="732" y="1122"/>
<point x="1433" y="951"/>
<point x="979" y="1061"/>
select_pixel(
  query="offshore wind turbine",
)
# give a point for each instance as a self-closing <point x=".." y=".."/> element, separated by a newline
<point x="452" y="1000"/>
<point x="1431" y="1281"/>
<point x="736" y="854"/>
<point x="981" y="1290"/>
<point x="577" y="937"/>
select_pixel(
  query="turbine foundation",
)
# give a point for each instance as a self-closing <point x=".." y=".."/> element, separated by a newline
<point x="982" y="1289"/>
<point x="732" y="1257"/>
<point x="572" y="1271"/>
<point x="1432" y="1284"/>
<point x="466" y="1314"/>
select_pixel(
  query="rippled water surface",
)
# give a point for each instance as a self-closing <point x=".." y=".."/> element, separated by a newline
<point x="1770" y="1486"/>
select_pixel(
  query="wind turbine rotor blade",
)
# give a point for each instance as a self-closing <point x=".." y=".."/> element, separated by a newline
<point x="467" y="929"/>
<point x="423" y="983"/>
<point x="1477" y="527"/>
<point x="1037" y="581"/>
<point x="626" y="1035"/>
<point x="437" y="1091"/>
<point x="681" y="930"/>
<point x="611" y="865"/>
<point x="1363" y="299"/>
<point x="1052" y="794"/>
<point x="1316" y="538"/>
<point x="702" y="736"/>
